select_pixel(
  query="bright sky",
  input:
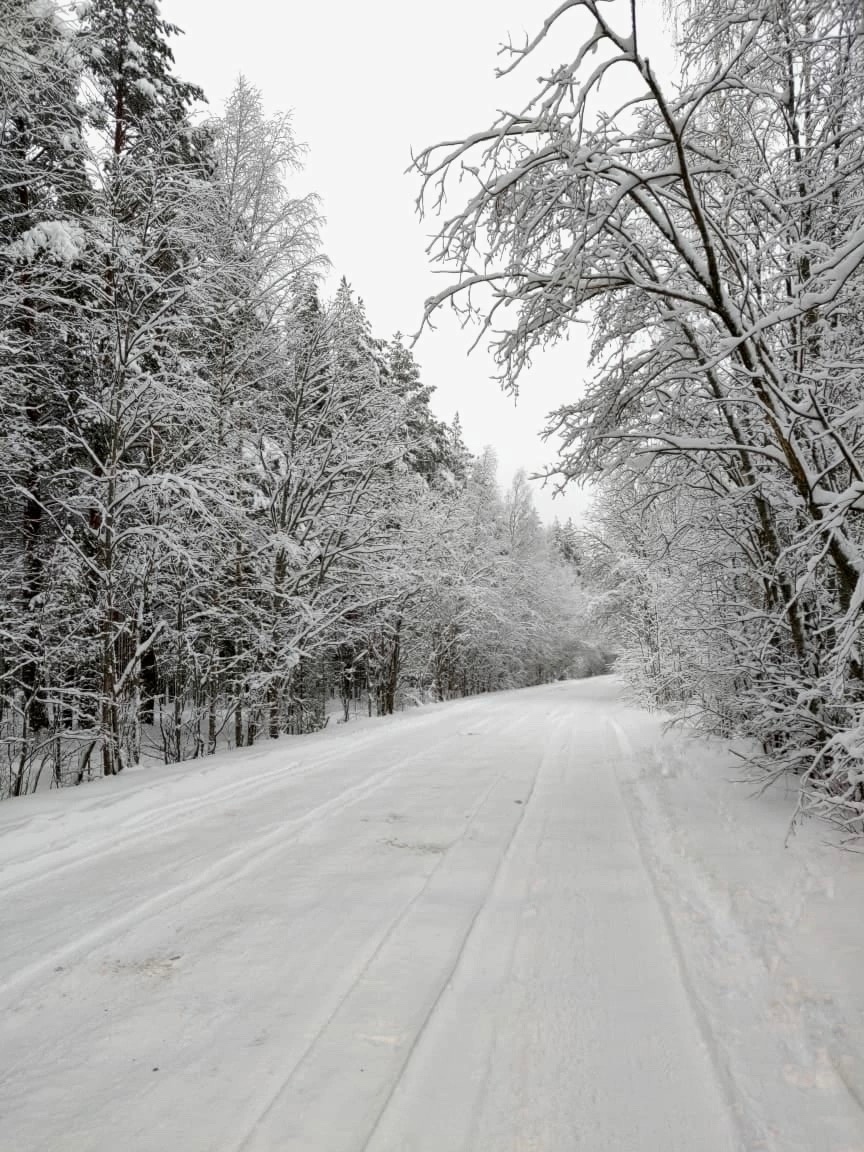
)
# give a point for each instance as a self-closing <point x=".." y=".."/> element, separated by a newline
<point x="367" y="83"/>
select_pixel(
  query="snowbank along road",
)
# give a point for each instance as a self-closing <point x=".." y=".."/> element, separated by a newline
<point x="528" y="922"/>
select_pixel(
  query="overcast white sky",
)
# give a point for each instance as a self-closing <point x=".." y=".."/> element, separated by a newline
<point x="367" y="83"/>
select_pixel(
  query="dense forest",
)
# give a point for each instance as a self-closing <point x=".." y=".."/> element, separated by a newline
<point x="229" y="510"/>
<point x="709" y="226"/>
<point x="227" y="507"/>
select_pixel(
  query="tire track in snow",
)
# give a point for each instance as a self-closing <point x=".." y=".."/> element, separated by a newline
<point x="822" y="1107"/>
<point x="565" y="749"/>
<point x="172" y="816"/>
<point x="380" y="944"/>
<point x="506" y="853"/>
<point x="251" y="1128"/>
<point x="718" y="1065"/>
<point x="224" y="871"/>
<point x="141" y="826"/>
<point x="228" y="868"/>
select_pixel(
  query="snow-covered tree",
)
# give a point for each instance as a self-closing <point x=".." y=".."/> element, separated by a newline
<point x="711" y="233"/>
<point x="225" y="499"/>
<point x="43" y="191"/>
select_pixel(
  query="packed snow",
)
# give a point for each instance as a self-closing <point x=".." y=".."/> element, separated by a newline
<point x="524" y="921"/>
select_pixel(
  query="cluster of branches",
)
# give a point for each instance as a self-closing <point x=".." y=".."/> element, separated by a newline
<point x="224" y="502"/>
<point x="712" y="234"/>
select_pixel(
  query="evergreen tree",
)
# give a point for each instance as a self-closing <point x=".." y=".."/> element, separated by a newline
<point x="43" y="193"/>
<point x="126" y="44"/>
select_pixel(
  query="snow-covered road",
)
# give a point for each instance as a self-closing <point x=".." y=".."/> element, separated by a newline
<point x="510" y="924"/>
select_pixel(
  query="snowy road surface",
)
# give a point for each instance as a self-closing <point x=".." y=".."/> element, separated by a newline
<point x="527" y="922"/>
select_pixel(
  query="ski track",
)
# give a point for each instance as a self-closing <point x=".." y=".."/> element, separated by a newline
<point x="523" y="1086"/>
<point x="565" y="748"/>
<point x="391" y="928"/>
<point x="697" y="1007"/>
<point x="164" y="818"/>
<point x="735" y="978"/>
<point x="229" y="869"/>
<point x="446" y="982"/>
<point x="255" y="855"/>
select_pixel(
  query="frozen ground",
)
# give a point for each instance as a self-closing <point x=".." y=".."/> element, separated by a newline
<point x="527" y="922"/>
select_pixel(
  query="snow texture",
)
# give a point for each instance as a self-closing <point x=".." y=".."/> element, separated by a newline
<point x="527" y="921"/>
<point x="61" y="239"/>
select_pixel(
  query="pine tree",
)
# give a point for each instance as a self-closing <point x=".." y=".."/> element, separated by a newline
<point x="126" y="44"/>
<point x="428" y="449"/>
